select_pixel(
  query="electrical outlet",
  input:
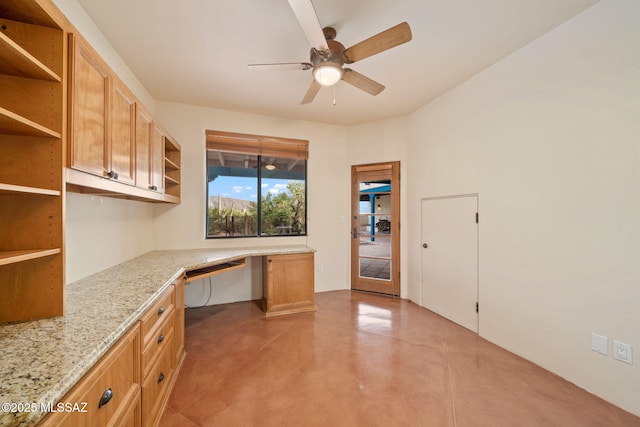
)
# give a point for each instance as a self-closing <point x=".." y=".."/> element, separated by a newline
<point x="622" y="352"/>
<point x="599" y="344"/>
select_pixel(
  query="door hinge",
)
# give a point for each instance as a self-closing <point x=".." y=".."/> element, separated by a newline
<point x="477" y="217"/>
<point x="477" y="307"/>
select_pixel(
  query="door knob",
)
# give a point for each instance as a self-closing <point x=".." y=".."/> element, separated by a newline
<point x="424" y="245"/>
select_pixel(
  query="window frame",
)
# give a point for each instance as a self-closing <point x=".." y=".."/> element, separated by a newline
<point x="261" y="147"/>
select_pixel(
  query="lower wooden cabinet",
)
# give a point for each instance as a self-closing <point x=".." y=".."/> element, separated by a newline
<point x="288" y="284"/>
<point x="110" y="390"/>
<point x="157" y="385"/>
<point x="156" y="320"/>
<point x="130" y="385"/>
<point x="158" y="356"/>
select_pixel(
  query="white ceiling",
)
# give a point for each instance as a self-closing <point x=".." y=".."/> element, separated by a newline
<point x="197" y="51"/>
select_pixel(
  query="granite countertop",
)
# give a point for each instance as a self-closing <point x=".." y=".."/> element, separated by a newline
<point x="41" y="360"/>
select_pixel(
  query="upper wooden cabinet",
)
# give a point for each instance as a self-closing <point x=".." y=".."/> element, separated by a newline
<point x="144" y="133"/>
<point x="32" y="87"/>
<point x="113" y="140"/>
<point x="122" y="153"/>
<point x="89" y="132"/>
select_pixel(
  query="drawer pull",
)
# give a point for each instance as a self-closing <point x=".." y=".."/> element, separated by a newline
<point x="106" y="397"/>
<point x="160" y="378"/>
<point x="160" y="311"/>
<point x="160" y="338"/>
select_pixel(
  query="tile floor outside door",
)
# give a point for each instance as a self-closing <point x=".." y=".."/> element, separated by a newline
<point x="364" y="360"/>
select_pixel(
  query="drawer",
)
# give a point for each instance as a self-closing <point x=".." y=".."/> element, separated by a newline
<point x="110" y="389"/>
<point x="131" y="416"/>
<point x="162" y="339"/>
<point x="154" y="317"/>
<point x="155" y="388"/>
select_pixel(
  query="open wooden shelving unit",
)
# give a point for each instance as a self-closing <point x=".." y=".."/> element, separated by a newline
<point x="32" y="83"/>
<point x="172" y="163"/>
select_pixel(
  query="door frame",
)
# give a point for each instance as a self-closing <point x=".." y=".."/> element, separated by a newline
<point x="383" y="170"/>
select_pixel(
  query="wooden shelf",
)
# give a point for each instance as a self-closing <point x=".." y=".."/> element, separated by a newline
<point x="12" y="257"/>
<point x="16" y="61"/>
<point x="172" y="161"/>
<point x="168" y="198"/>
<point x="14" y="124"/>
<point x="171" y="180"/>
<point x="36" y="13"/>
<point x="168" y="162"/>
<point x="19" y="189"/>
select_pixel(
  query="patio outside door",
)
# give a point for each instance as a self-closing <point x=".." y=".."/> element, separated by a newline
<point x="375" y="228"/>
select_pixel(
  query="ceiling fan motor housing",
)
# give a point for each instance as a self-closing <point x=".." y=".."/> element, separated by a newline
<point x="334" y="55"/>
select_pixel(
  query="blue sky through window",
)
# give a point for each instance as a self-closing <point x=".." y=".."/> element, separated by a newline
<point x="244" y="188"/>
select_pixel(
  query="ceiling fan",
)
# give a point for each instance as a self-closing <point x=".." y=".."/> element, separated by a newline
<point x="328" y="55"/>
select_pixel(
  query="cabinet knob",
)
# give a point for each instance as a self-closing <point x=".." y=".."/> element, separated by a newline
<point x="112" y="174"/>
<point x="160" y="377"/>
<point x="160" y="311"/>
<point x="160" y="338"/>
<point x="106" y="397"/>
<point x="153" y="187"/>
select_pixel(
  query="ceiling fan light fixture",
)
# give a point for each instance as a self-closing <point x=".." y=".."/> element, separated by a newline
<point x="327" y="73"/>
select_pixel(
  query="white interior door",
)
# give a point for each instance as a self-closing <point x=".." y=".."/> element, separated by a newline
<point x="450" y="258"/>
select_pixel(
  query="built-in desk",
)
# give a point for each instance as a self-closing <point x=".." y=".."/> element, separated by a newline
<point x="43" y="359"/>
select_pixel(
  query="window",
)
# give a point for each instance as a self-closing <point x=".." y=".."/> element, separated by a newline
<point x="256" y="185"/>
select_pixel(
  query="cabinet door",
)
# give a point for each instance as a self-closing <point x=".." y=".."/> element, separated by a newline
<point x="123" y="131"/>
<point x="289" y="284"/>
<point x="157" y="160"/>
<point x="144" y="133"/>
<point x="90" y="89"/>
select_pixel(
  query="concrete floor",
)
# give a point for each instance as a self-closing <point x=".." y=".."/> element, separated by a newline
<point x="364" y="360"/>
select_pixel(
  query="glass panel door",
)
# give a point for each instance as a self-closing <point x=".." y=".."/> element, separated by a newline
<point x="375" y="237"/>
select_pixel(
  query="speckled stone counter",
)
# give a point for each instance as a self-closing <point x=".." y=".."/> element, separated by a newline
<point x="41" y="360"/>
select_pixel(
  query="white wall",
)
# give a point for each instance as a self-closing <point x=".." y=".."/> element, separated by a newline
<point x="550" y="139"/>
<point x="183" y="226"/>
<point x="102" y="232"/>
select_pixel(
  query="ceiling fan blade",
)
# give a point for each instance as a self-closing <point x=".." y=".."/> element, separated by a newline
<point x="282" y="66"/>
<point x="362" y="82"/>
<point x="306" y="15"/>
<point x="313" y="90"/>
<point x="387" y="39"/>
